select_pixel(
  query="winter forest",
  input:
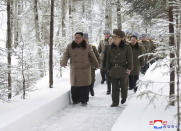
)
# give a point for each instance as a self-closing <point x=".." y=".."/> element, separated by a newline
<point x="35" y="33"/>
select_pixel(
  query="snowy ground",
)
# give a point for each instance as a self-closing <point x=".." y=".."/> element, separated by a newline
<point x="135" y="115"/>
<point x="15" y="111"/>
<point x="96" y="116"/>
<point x="152" y="106"/>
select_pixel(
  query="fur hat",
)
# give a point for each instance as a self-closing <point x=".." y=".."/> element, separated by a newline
<point x="86" y="36"/>
<point x="143" y="35"/>
<point x="107" y="32"/>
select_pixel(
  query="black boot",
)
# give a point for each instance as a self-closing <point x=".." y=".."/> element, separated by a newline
<point x="103" y="75"/>
<point x="130" y="88"/>
<point x="114" y="105"/>
<point x="102" y="81"/>
<point x="76" y="102"/>
<point x="91" y="89"/>
<point x="108" y="84"/>
<point x="123" y="101"/>
<point x="108" y="92"/>
<point x="135" y="89"/>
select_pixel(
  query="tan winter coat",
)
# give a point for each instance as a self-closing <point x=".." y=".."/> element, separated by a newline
<point x="81" y="58"/>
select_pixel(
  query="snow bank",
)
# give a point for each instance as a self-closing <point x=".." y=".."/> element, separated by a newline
<point x="140" y="112"/>
<point x="39" y="104"/>
<point x="19" y="115"/>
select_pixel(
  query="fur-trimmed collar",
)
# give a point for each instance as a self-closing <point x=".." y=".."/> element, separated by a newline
<point x="121" y="45"/>
<point x="83" y="44"/>
<point x="135" y="46"/>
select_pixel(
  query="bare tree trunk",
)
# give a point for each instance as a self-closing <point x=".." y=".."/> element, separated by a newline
<point x="119" y="20"/>
<point x="70" y="19"/>
<point x="9" y="48"/>
<point x="36" y="20"/>
<point x="45" y="23"/>
<point x="178" y="27"/>
<point x="108" y="16"/>
<point x="63" y="17"/>
<point x="51" y="46"/>
<point x="89" y="16"/>
<point x="12" y="20"/>
<point x="16" y="24"/>
<point x="38" y="40"/>
<point x="172" y="56"/>
<point x="22" y="71"/>
<point x="17" y="21"/>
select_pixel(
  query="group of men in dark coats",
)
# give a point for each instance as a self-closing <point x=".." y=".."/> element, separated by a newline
<point x="118" y="60"/>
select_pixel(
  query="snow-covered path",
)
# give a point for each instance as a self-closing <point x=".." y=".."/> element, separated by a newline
<point x="96" y="116"/>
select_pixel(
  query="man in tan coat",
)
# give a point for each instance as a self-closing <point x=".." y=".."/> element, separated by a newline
<point x="81" y="57"/>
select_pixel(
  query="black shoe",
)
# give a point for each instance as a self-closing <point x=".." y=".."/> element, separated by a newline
<point x="92" y="92"/>
<point x="108" y="93"/>
<point x="76" y="102"/>
<point x="130" y="88"/>
<point x="114" y="105"/>
<point x="84" y="103"/>
<point x="135" y="89"/>
<point x="102" y="82"/>
<point x="123" y="101"/>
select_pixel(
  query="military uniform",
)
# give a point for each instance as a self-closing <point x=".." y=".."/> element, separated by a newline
<point x="119" y="60"/>
<point x="137" y="64"/>
<point x="152" y="48"/>
<point x="108" y="78"/>
<point x="101" y="49"/>
<point x="146" y="45"/>
<point x="93" y="68"/>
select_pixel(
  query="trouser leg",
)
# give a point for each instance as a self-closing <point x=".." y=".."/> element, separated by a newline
<point x="103" y="74"/>
<point x="131" y="81"/>
<point x="124" y="87"/>
<point x="108" y="83"/>
<point x="91" y="89"/>
<point x="115" y="91"/>
<point x="75" y="92"/>
<point x="136" y="77"/>
<point x="84" y="94"/>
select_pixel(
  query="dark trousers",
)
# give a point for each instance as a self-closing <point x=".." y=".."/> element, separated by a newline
<point x="144" y="69"/>
<point x="91" y="88"/>
<point x="118" y="84"/>
<point x="108" y="79"/>
<point x="132" y="81"/>
<point x="103" y="74"/>
<point x="80" y="93"/>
